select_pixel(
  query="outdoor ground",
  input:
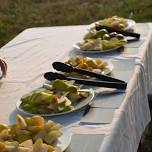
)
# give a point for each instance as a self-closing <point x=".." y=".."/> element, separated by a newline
<point x="17" y="15"/>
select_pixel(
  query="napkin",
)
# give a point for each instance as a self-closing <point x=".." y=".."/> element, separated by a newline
<point x="108" y="100"/>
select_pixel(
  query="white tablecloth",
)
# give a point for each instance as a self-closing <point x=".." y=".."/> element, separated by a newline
<point x="31" y="53"/>
<point x="130" y="119"/>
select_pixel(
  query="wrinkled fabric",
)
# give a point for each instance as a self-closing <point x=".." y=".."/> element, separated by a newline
<point x="31" y="54"/>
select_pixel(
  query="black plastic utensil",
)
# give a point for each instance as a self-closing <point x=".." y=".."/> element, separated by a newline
<point x="125" y="33"/>
<point x="68" y="68"/>
<point x="53" y="76"/>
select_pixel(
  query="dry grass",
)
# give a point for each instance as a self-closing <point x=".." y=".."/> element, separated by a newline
<point x="17" y="15"/>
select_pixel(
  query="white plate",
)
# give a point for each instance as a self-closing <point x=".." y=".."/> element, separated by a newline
<point x="77" y="48"/>
<point x="109" y="67"/>
<point x="131" y="24"/>
<point x="65" y="139"/>
<point x="80" y="105"/>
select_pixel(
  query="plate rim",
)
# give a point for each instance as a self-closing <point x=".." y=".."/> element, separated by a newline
<point x="88" y="100"/>
<point x="110" y="66"/>
<point x="65" y="133"/>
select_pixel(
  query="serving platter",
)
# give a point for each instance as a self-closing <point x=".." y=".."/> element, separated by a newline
<point x="131" y="24"/>
<point x="77" y="48"/>
<point x="77" y="106"/>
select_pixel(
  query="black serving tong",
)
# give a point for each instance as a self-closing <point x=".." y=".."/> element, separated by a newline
<point x="125" y="33"/>
<point x="118" y="85"/>
<point x="105" y="81"/>
<point x="59" y="66"/>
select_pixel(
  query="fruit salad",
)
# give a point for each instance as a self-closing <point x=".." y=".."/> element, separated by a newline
<point x="60" y="96"/>
<point x="97" y="65"/>
<point x="29" y="135"/>
<point x="114" y="22"/>
<point x="101" y="40"/>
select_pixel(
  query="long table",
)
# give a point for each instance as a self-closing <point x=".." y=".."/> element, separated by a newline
<point x="116" y="119"/>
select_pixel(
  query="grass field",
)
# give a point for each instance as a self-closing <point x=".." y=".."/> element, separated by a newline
<point x="17" y="15"/>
